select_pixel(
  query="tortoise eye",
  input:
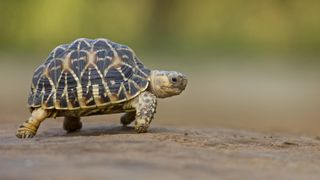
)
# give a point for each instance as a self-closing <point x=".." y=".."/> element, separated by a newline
<point x="174" y="79"/>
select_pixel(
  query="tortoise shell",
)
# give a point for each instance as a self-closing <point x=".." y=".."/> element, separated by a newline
<point x="86" y="74"/>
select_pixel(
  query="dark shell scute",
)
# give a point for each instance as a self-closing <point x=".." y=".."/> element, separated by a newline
<point x="85" y="80"/>
<point x="138" y="62"/>
<point x="37" y="99"/>
<point x="37" y="75"/>
<point x="74" y="55"/>
<point x="127" y="71"/>
<point x="114" y="88"/>
<point x="84" y="45"/>
<point x="50" y="102"/>
<point x="74" y="46"/>
<point x="48" y="90"/>
<point x="73" y="97"/>
<point x="141" y="82"/>
<point x="102" y="93"/>
<point x="101" y="44"/>
<point x="146" y="71"/>
<point x="122" y="94"/>
<point x="78" y="64"/>
<point x="63" y="101"/>
<point x="59" y="51"/>
<point x="31" y="97"/>
<point x="113" y="75"/>
<point x="114" y="80"/>
<point x="127" y="86"/>
<point x="126" y="56"/>
<point x="37" y="95"/>
<point x="133" y="89"/>
<point x="88" y="97"/>
<point x="141" y="74"/>
<point x="68" y="82"/>
<point x="79" y="44"/>
<point x="95" y="77"/>
<point x="55" y="69"/>
<point x="60" y="86"/>
<point x="101" y="54"/>
<point x="103" y="64"/>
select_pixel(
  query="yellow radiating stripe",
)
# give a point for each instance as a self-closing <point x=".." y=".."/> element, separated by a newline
<point x="103" y="81"/>
<point x="57" y="104"/>
<point x="81" y="100"/>
<point x="96" y="96"/>
<point x="69" y="104"/>
<point x="53" y="88"/>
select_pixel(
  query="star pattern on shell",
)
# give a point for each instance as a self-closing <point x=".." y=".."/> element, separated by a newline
<point x="88" y="73"/>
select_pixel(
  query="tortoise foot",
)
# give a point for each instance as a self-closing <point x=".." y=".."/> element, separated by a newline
<point x="72" y="124"/>
<point x="141" y="129"/>
<point x="24" y="132"/>
<point x="141" y="126"/>
<point x="127" y="118"/>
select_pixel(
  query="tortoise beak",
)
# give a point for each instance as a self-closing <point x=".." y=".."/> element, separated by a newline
<point x="183" y="81"/>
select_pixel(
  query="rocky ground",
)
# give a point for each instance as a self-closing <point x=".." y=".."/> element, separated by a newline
<point x="109" y="151"/>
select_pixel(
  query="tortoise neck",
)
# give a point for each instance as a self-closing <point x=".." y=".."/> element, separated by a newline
<point x="155" y="84"/>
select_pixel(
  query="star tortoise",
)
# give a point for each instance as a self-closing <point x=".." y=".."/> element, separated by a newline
<point x="92" y="77"/>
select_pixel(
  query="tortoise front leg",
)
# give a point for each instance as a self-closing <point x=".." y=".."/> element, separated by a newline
<point x="145" y="105"/>
<point x="29" y="128"/>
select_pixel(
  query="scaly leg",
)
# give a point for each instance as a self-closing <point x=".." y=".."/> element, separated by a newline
<point x="145" y="105"/>
<point x="71" y="124"/>
<point x="128" y="118"/>
<point x="29" y="128"/>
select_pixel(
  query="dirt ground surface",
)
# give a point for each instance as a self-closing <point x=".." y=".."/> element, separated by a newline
<point x="241" y="126"/>
<point x="109" y="151"/>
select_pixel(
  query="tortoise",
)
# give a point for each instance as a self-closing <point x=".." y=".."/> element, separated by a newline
<point x="96" y="76"/>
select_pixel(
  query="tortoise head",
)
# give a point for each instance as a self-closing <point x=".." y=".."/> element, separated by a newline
<point x="167" y="83"/>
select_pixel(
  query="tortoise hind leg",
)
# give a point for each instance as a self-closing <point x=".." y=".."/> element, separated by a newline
<point x="29" y="128"/>
<point x="128" y="118"/>
<point x="71" y="124"/>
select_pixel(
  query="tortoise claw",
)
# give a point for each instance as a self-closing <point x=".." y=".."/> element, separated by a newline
<point x="141" y="128"/>
<point x="24" y="133"/>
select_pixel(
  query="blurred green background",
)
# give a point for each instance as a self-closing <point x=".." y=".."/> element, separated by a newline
<point x="206" y="26"/>
<point x="251" y="64"/>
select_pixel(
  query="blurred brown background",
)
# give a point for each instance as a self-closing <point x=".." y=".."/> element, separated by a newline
<point x="251" y="64"/>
